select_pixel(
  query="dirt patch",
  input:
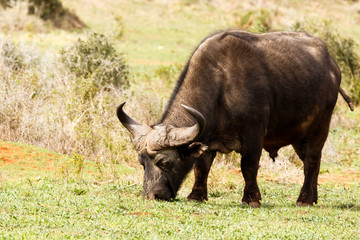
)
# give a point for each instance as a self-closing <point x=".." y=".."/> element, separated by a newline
<point x="28" y="157"/>
<point x="344" y="177"/>
<point x="25" y="157"/>
<point x="348" y="176"/>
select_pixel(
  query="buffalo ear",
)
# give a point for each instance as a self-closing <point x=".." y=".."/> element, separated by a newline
<point x="197" y="149"/>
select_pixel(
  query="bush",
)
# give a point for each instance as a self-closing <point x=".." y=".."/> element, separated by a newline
<point x="16" y="18"/>
<point x="12" y="57"/>
<point x="20" y="87"/>
<point x="54" y="11"/>
<point x="5" y="3"/>
<point x="258" y="21"/>
<point x="342" y="49"/>
<point x="48" y="10"/>
<point x="44" y="104"/>
<point x="17" y="58"/>
<point x="97" y="59"/>
<point x="168" y="73"/>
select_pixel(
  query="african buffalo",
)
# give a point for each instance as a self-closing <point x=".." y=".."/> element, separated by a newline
<point x="241" y="92"/>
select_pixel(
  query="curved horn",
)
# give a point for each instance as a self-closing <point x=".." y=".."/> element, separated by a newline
<point x="131" y="125"/>
<point x="169" y="136"/>
<point x="200" y="121"/>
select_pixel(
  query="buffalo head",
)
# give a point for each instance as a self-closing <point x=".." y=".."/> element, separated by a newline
<point x="167" y="153"/>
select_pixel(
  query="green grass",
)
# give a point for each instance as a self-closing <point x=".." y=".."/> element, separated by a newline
<point x="105" y="202"/>
<point x="53" y="208"/>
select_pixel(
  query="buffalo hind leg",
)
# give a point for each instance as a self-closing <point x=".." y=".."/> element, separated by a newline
<point x="249" y="167"/>
<point x="201" y="171"/>
<point x="310" y="153"/>
<point x="308" y="194"/>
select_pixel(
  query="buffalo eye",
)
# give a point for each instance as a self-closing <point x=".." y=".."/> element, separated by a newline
<point x="163" y="165"/>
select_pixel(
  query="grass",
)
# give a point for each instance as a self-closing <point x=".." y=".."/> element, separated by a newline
<point x="62" y="203"/>
<point x="48" y="208"/>
<point x="94" y="192"/>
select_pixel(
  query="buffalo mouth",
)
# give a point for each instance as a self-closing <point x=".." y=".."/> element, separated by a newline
<point x="166" y="193"/>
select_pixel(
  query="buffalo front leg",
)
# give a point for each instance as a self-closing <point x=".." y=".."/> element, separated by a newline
<point x="249" y="167"/>
<point x="201" y="171"/>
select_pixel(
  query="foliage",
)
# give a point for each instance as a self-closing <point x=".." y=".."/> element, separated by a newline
<point x="54" y="11"/>
<point x="5" y="3"/>
<point x="45" y="104"/>
<point x="254" y="20"/>
<point x="96" y="58"/>
<point x="16" y="18"/>
<point x="342" y="49"/>
<point x="11" y="55"/>
<point x="19" y="76"/>
<point x="48" y="10"/>
<point x="120" y="26"/>
<point x="16" y="57"/>
<point x="169" y="73"/>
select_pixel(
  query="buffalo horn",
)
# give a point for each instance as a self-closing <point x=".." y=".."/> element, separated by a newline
<point x="131" y="125"/>
<point x="178" y="136"/>
<point x="200" y="122"/>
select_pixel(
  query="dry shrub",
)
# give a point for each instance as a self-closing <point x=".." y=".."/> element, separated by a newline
<point x="53" y="10"/>
<point x="42" y="105"/>
<point x="47" y="10"/>
<point x="15" y="18"/>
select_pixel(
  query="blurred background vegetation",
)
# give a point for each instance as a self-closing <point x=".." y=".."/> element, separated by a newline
<point x="66" y="65"/>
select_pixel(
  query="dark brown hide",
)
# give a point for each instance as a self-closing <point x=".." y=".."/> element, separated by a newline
<point x="255" y="91"/>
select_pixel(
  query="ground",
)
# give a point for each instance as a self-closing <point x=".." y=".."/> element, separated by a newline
<point x="29" y="161"/>
<point x="47" y="195"/>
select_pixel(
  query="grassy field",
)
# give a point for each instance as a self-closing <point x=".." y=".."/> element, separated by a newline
<point x="46" y="195"/>
<point x="77" y="176"/>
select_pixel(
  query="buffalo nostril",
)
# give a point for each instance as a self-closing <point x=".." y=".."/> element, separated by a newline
<point x="158" y="197"/>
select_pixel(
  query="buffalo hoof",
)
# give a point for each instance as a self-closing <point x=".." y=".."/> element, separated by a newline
<point x="252" y="204"/>
<point x="197" y="196"/>
<point x="304" y="204"/>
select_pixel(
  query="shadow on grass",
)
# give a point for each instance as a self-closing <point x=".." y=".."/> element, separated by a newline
<point x="344" y="206"/>
<point x="267" y="205"/>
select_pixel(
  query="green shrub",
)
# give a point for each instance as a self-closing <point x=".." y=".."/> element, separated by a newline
<point x="168" y="73"/>
<point x="119" y="27"/>
<point x="97" y="59"/>
<point x="48" y="10"/>
<point x="341" y="48"/>
<point x="54" y="11"/>
<point x="17" y="58"/>
<point x="5" y="3"/>
<point x="11" y="55"/>
<point x="254" y="20"/>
